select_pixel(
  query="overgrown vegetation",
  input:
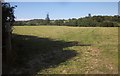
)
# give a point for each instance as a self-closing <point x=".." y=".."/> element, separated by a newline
<point x="7" y="17"/>
<point x="94" y="21"/>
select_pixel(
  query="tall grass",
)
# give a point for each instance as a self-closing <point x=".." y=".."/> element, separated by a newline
<point x="96" y="48"/>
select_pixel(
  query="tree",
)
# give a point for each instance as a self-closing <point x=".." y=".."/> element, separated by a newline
<point x="89" y="15"/>
<point x="47" y="19"/>
<point x="7" y="23"/>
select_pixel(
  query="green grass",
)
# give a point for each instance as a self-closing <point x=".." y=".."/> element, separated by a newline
<point x="66" y="50"/>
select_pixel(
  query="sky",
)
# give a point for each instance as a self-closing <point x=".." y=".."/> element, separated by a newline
<point x="61" y="0"/>
<point x="63" y="10"/>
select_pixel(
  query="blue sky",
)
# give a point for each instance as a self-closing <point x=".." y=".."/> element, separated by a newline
<point x="63" y="10"/>
<point x="62" y="0"/>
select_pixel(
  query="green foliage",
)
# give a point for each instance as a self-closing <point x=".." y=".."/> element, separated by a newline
<point x="7" y="19"/>
<point x="7" y="16"/>
<point x="95" y="21"/>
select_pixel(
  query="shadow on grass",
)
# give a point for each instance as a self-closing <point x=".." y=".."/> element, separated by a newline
<point x="35" y="53"/>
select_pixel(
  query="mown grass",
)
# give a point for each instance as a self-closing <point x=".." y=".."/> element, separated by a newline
<point x="66" y="50"/>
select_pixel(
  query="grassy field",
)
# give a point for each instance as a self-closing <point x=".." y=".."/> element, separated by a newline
<point x="65" y="50"/>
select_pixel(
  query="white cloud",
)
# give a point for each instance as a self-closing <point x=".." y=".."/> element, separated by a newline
<point x="22" y="19"/>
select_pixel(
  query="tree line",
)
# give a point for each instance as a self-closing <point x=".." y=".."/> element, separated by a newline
<point x="94" y="21"/>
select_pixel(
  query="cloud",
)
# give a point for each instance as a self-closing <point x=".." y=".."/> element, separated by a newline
<point x="22" y="19"/>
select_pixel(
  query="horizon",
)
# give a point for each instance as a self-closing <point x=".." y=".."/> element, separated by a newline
<point x="60" y="19"/>
<point x="63" y="10"/>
